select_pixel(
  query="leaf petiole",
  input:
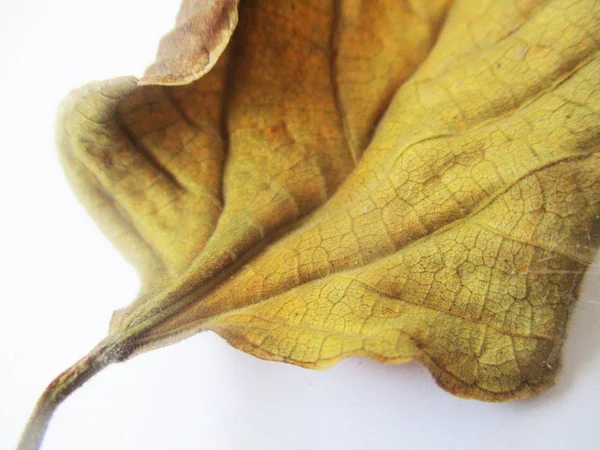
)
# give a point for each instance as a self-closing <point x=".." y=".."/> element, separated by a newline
<point x="105" y="353"/>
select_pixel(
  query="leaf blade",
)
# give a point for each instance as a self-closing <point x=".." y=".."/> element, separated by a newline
<point x="437" y="159"/>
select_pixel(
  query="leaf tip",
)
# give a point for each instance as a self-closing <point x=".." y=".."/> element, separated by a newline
<point x="201" y="34"/>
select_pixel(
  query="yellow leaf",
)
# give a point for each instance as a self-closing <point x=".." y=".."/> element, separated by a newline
<point x="400" y="180"/>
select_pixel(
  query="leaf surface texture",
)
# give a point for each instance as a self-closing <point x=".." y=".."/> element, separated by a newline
<point x="400" y="180"/>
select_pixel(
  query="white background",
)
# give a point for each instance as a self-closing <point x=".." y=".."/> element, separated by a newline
<point x="61" y="279"/>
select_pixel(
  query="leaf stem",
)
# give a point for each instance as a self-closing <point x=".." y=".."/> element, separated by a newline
<point x="104" y="354"/>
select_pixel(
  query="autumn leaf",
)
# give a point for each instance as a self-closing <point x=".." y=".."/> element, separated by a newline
<point x="399" y="180"/>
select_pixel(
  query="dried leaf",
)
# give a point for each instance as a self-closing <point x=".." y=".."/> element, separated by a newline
<point x="343" y="184"/>
<point x="202" y="31"/>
